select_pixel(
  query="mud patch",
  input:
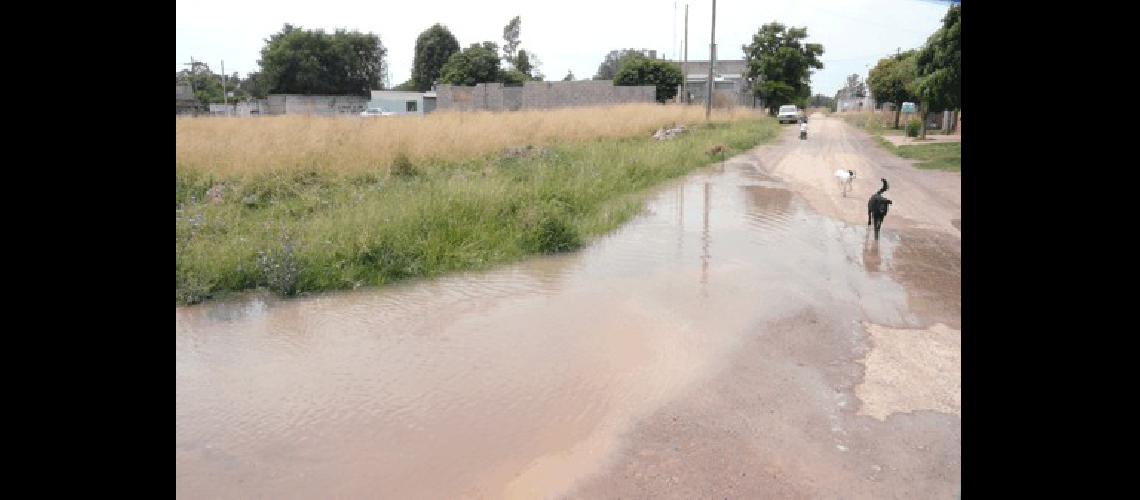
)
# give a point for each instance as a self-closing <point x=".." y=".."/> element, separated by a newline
<point x="911" y="370"/>
<point x="929" y="264"/>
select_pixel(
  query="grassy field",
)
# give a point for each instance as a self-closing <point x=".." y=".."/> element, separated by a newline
<point x="941" y="156"/>
<point x="298" y="204"/>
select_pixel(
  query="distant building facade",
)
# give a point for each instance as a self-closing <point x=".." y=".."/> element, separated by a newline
<point x="731" y="86"/>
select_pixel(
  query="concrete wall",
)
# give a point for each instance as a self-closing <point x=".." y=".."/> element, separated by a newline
<point x="397" y="101"/>
<point x="512" y="98"/>
<point x="726" y="92"/>
<point x="726" y="67"/>
<point x="540" y="95"/>
<point x="290" y="104"/>
<point x="248" y="108"/>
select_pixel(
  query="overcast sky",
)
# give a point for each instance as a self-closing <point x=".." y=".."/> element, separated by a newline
<point x="573" y="36"/>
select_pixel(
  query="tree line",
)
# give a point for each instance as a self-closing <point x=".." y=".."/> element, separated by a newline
<point x="930" y="76"/>
<point x="299" y="61"/>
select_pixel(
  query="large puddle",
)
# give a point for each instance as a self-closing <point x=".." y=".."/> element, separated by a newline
<point x="515" y="382"/>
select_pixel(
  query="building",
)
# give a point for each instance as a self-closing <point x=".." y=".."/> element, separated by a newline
<point x="852" y="105"/>
<point x="859" y="103"/>
<point x="731" y="86"/>
<point x="326" y="105"/>
<point x="400" y="102"/>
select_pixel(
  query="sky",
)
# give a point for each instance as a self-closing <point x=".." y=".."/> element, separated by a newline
<point x="574" y="36"/>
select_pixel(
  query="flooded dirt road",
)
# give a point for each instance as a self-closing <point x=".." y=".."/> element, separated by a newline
<point x="740" y="339"/>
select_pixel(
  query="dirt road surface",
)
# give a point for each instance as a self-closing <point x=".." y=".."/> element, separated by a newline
<point x="745" y="337"/>
<point x="804" y="410"/>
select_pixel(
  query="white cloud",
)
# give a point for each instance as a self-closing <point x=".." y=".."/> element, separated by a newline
<point x="566" y="35"/>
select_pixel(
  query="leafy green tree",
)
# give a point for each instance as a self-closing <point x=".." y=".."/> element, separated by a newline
<point x="511" y="34"/>
<point x="822" y="101"/>
<point x="939" y="66"/>
<point x="255" y="86"/>
<point x="782" y="63"/>
<point x="409" y="86"/>
<point x="206" y="85"/>
<point x="433" y="48"/>
<point x="892" y="80"/>
<point x="644" y="71"/>
<point x="609" y="67"/>
<point x="513" y="77"/>
<point x="522" y="63"/>
<point x="475" y="64"/>
<point x="298" y="61"/>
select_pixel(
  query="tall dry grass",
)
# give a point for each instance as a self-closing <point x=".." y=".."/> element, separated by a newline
<point x="235" y="147"/>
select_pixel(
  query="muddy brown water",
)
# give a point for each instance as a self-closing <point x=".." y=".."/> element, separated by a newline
<point x="522" y="381"/>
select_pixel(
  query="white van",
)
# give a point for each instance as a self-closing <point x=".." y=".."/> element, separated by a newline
<point x="791" y="114"/>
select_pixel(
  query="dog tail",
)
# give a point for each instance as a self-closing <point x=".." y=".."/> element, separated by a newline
<point x="884" y="188"/>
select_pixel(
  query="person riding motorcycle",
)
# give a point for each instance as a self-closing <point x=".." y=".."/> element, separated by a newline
<point x="803" y="130"/>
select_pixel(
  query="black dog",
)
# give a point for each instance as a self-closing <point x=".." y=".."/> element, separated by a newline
<point x="877" y="208"/>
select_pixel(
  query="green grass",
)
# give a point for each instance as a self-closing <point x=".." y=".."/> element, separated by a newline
<point x="308" y="231"/>
<point x="945" y="156"/>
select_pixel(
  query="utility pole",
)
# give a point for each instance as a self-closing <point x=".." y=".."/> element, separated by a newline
<point x="190" y="74"/>
<point x="225" y="102"/>
<point x="685" y="65"/>
<point x="712" y="62"/>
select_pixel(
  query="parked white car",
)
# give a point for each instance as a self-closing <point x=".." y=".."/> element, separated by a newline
<point x="791" y="114"/>
<point x="376" y="112"/>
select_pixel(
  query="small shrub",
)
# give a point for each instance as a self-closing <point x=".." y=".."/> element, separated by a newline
<point x="402" y="166"/>
<point x="279" y="268"/>
<point x="549" y="232"/>
<point x="913" y="127"/>
<point x="191" y="289"/>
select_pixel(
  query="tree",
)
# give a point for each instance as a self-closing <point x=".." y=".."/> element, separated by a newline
<point x="522" y="62"/>
<point x="513" y="77"/>
<point x="207" y="86"/>
<point x="433" y="48"/>
<point x="255" y="85"/>
<point x="532" y="62"/>
<point x="822" y="101"/>
<point x="892" y="80"/>
<point x="511" y="34"/>
<point x="782" y="63"/>
<point x="475" y="64"/>
<point x="609" y="67"/>
<point x="299" y="61"/>
<point x="644" y="71"/>
<point x="407" y="86"/>
<point x="939" y="66"/>
<point x="569" y="76"/>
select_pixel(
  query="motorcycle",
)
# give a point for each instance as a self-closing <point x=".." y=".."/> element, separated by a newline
<point x="803" y="135"/>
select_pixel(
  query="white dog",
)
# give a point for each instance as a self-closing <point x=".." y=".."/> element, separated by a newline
<point x="845" y="177"/>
